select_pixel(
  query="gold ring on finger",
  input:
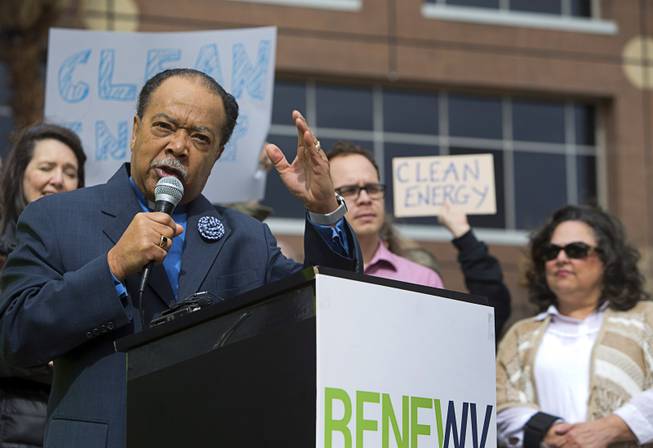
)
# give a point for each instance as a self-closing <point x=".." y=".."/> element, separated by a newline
<point x="163" y="243"/>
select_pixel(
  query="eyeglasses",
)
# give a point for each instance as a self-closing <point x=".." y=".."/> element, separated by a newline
<point x="374" y="191"/>
<point x="576" y="250"/>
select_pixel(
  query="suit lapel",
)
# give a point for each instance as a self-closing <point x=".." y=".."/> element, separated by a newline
<point x="199" y="253"/>
<point x="119" y="207"/>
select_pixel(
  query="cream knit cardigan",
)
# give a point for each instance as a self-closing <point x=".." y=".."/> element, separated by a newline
<point x="621" y="363"/>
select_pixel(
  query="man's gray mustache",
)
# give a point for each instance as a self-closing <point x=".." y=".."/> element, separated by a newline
<point x="174" y="164"/>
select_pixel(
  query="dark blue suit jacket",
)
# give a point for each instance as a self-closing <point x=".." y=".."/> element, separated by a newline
<point x="59" y="300"/>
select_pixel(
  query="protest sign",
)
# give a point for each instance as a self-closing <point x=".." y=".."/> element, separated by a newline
<point x="94" y="77"/>
<point x="422" y="185"/>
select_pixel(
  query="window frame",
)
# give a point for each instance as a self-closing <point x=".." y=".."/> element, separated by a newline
<point x="338" y="5"/>
<point x="506" y="17"/>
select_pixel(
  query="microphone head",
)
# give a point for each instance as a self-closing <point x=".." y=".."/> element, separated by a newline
<point x="169" y="189"/>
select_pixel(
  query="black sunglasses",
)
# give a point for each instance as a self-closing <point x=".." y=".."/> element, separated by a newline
<point x="577" y="250"/>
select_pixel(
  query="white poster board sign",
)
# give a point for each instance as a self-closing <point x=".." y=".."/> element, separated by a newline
<point x="94" y="77"/>
<point x="398" y="368"/>
<point x="423" y="185"/>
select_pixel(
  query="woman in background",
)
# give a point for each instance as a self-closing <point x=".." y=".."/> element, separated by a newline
<point x="580" y="373"/>
<point x="46" y="159"/>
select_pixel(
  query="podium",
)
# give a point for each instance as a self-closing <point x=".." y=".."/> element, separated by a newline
<point x="324" y="358"/>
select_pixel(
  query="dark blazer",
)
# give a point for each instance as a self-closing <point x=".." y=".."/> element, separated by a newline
<point x="59" y="300"/>
<point x="23" y="392"/>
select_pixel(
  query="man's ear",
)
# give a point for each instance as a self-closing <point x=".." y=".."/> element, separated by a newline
<point x="219" y="153"/>
<point x="135" y="128"/>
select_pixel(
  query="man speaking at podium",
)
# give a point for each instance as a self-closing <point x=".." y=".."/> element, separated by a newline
<point x="71" y="286"/>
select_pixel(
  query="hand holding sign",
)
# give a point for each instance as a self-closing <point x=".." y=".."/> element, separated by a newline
<point x="423" y="185"/>
<point x="454" y="220"/>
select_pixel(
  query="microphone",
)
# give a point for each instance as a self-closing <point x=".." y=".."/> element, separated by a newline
<point x="167" y="194"/>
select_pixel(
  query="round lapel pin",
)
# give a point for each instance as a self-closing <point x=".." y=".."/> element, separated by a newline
<point x="210" y="228"/>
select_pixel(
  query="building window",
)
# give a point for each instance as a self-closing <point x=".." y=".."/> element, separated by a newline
<point x="545" y="152"/>
<point x="568" y="15"/>
<point x="6" y="121"/>
<point x="345" y="5"/>
<point x="573" y="8"/>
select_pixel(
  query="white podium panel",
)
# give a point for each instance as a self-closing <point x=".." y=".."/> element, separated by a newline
<point x="398" y="368"/>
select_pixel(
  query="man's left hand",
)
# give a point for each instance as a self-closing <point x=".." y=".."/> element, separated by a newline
<point x="308" y="176"/>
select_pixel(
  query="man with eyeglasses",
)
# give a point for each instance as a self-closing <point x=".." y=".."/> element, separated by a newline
<point x="355" y="176"/>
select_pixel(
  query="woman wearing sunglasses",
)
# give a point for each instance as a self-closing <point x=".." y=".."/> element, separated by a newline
<point x="580" y="373"/>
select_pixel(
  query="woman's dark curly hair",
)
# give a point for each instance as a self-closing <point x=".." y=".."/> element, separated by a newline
<point x="623" y="283"/>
